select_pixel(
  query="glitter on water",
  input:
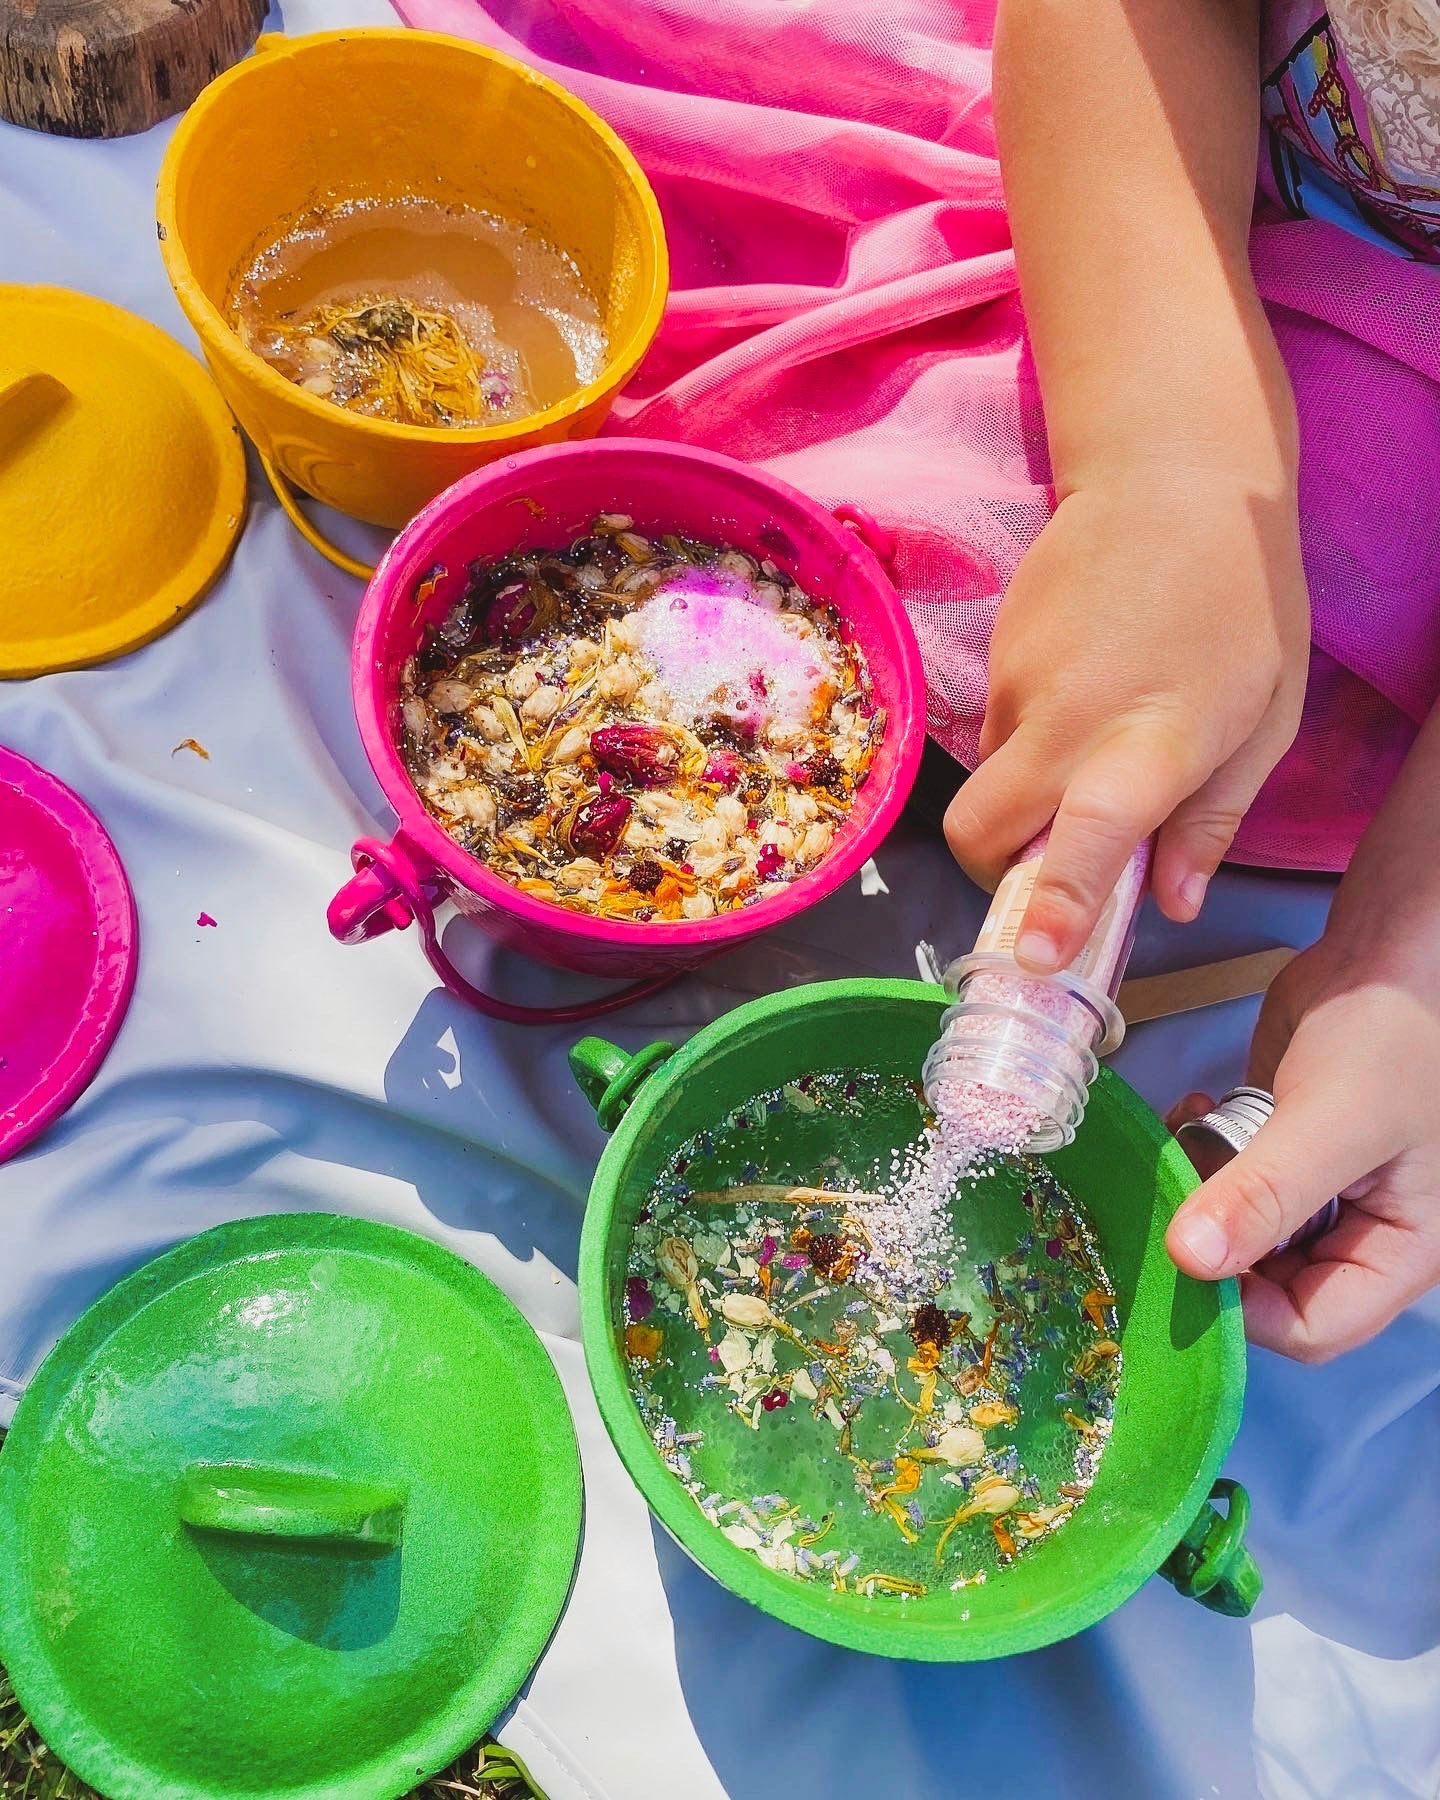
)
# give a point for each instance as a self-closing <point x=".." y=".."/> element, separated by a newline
<point x="986" y="1238"/>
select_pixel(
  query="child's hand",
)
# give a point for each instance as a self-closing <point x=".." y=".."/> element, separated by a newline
<point x="1349" y="1042"/>
<point x="1147" y="670"/>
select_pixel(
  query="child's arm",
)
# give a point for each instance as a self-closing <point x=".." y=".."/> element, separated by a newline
<point x="1349" y="1040"/>
<point x="1149" y="659"/>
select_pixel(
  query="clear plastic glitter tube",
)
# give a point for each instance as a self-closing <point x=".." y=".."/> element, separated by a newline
<point x="1027" y="1047"/>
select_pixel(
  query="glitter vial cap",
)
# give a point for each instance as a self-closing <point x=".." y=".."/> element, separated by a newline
<point x="1214" y="1139"/>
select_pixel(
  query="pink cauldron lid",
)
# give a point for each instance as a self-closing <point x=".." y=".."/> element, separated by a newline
<point x="68" y="948"/>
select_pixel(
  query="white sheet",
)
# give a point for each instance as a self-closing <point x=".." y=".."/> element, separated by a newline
<point x="264" y="1068"/>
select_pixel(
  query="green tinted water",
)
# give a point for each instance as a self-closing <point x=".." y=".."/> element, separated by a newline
<point x="832" y="1423"/>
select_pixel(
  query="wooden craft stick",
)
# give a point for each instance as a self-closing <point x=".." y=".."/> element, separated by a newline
<point x="1187" y="990"/>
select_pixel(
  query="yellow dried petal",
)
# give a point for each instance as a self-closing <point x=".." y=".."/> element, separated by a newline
<point x="642" y="1342"/>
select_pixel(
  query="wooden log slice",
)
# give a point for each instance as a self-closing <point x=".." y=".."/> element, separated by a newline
<point x="106" y="68"/>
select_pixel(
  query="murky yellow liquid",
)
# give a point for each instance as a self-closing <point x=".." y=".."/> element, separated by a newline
<point x="517" y="301"/>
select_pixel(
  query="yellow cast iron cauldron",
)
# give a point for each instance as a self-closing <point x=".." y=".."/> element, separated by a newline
<point x="394" y="114"/>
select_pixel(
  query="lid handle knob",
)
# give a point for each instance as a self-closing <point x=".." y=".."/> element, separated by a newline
<point x="291" y="1505"/>
<point x="27" y="397"/>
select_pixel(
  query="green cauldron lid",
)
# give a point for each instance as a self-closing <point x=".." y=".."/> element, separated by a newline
<point x="292" y="1510"/>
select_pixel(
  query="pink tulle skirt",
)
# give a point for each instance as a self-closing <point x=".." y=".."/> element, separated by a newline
<point x="845" y="312"/>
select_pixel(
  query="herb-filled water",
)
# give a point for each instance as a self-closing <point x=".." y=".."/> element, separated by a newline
<point x="885" y="1376"/>
<point x="420" y="313"/>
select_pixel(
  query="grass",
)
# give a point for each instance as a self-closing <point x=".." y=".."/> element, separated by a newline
<point x="29" y="1771"/>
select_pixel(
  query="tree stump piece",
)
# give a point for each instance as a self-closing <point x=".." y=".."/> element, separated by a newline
<point x="106" y="68"/>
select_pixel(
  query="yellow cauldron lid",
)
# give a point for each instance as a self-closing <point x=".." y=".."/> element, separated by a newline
<point x="122" y="480"/>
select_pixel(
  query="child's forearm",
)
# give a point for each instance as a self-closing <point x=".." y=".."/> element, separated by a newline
<point x="1128" y="133"/>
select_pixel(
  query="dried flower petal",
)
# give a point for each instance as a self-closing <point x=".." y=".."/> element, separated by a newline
<point x="643" y="1342"/>
<point x="993" y="1412"/>
<point x="959" y="1446"/>
<point x="769" y="863"/>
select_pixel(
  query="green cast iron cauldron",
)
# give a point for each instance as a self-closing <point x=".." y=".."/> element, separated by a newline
<point x="1183" y="1346"/>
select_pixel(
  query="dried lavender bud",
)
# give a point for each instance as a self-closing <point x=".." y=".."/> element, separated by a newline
<point x="638" y="754"/>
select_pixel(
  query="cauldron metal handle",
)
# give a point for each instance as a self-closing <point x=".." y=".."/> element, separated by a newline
<point x="1210" y="1563"/>
<point x="391" y="886"/>
<point x="307" y="528"/>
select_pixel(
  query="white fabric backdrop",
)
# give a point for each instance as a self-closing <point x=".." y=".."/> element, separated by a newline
<point x="263" y="1068"/>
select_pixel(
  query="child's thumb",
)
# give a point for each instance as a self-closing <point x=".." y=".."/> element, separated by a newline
<point x="1304" y="1154"/>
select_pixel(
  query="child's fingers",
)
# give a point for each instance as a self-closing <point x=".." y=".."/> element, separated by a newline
<point x="1193" y="1106"/>
<point x="1273" y="1034"/>
<point x="1193" y="841"/>
<point x="1354" y="1283"/>
<point x="1112" y="803"/>
<point x="1306" y="1152"/>
<point x="1005" y="802"/>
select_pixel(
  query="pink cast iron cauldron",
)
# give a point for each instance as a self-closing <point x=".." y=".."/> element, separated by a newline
<point x="547" y="498"/>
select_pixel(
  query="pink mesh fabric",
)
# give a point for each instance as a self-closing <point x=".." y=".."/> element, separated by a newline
<point x="845" y="313"/>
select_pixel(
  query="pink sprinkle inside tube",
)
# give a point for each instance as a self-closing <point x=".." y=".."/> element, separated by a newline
<point x="1017" y="1053"/>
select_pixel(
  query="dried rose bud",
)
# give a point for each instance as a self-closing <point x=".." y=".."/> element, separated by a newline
<point x="776" y="1397"/>
<point x="645" y="876"/>
<point x="724" y="769"/>
<point x="597" y="826"/>
<point x="638" y="754"/>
